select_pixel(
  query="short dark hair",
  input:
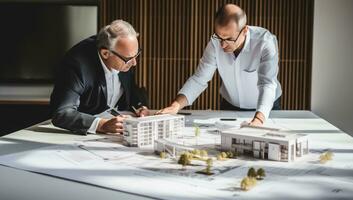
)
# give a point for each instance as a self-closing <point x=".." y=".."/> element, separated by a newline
<point x="223" y="17"/>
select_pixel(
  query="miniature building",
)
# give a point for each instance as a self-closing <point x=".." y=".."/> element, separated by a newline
<point x="265" y="144"/>
<point x="142" y="131"/>
<point x="173" y="149"/>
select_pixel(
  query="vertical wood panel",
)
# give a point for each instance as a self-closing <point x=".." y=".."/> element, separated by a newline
<point x="174" y="33"/>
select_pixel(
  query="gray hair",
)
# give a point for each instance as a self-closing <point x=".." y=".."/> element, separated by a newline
<point x="110" y="34"/>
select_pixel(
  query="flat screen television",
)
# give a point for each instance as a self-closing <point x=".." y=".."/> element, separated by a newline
<point x="35" y="36"/>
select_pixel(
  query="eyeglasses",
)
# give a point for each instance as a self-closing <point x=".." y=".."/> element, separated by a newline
<point x="126" y="60"/>
<point x="228" y="41"/>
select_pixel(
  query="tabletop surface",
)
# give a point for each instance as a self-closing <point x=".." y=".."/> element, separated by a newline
<point x="21" y="184"/>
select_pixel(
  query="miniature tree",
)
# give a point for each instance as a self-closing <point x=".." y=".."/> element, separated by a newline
<point x="326" y="157"/>
<point x="203" y="153"/>
<point x="163" y="155"/>
<point x="224" y="155"/>
<point x="209" y="163"/>
<point x="189" y="157"/>
<point x="197" y="134"/>
<point x="323" y="158"/>
<point x="235" y="154"/>
<point x="245" y="184"/>
<point x="329" y="155"/>
<point x="260" y="173"/>
<point x="219" y="157"/>
<point x="230" y="154"/>
<point x="252" y="173"/>
<point x="196" y="152"/>
<point x="197" y="131"/>
<point x="252" y="181"/>
<point x="184" y="160"/>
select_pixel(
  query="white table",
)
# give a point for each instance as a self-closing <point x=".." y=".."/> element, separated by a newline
<point x="18" y="184"/>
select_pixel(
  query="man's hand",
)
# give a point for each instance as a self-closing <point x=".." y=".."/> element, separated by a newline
<point x="111" y="126"/>
<point x="172" y="109"/>
<point x="142" y="112"/>
<point x="255" y="122"/>
<point x="258" y="119"/>
<point x="179" y="103"/>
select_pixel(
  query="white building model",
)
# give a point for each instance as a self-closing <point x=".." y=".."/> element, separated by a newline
<point x="142" y="131"/>
<point x="172" y="148"/>
<point x="265" y="144"/>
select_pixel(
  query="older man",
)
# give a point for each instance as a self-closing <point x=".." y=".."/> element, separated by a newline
<point x="246" y="58"/>
<point x="96" y="75"/>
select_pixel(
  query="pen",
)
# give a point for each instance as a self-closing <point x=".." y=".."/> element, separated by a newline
<point x="228" y="119"/>
<point x="135" y="110"/>
<point x="114" y="112"/>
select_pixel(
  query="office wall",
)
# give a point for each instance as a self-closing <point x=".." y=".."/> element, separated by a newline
<point x="174" y="33"/>
<point x="82" y="23"/>
<point x="25" y="104"/>
<point x="332" y="75"/>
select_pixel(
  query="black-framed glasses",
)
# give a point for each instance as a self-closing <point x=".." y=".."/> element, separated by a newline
<point x="125" y="59"/>
<point x="228" y="41"/>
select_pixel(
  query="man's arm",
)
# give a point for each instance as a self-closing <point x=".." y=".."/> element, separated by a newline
<point x="196" y="84"/>
<point x="65" y="100"/>
<point x="267" y="73"/>
<point x="179" y="103"/>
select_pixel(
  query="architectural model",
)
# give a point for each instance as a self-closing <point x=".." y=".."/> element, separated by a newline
<point x="143" y="131"/>
<point x="173" y="149"/>
<point x="265" y="144"/>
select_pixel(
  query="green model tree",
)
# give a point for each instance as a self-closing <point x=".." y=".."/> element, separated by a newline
<point x="163" y="155"/>
<point x="329" y="155"/>
<point x="219" y="157"/>
<point x="197" y="134"/>
<point x="252" y="173"/>
<point x="196" y="152"/>
<point x="244" y="184"/>
<point x="203" y="153"/>
<point x="209" y="163"/>
<point x="247" y="183"/>
<point x="230" y="154"/>
<point x="326" y="157"/>
<point x="260" y="173"/>
<point x="197" y="131"/>
<point x="184" y="160"/>
<point x="224" y="155"/>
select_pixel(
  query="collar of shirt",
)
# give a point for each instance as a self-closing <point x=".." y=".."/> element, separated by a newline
<point x="107" y="72"/>
<point x="246" y="47"/>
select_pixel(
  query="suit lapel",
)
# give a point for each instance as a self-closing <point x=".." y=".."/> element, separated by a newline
<point x="124" y="79"/>
<point x="101" y="79"/>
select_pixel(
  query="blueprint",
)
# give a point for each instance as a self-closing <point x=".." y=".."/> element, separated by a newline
<point x="105" y="162"/>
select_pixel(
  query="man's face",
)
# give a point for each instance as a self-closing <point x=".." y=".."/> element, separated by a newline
<point x="124" y="54"/>
<point x="230" y="37"/>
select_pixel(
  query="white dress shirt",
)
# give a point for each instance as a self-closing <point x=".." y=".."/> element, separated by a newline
<point x="249" y="80"/>
<point x="114" y="91"/>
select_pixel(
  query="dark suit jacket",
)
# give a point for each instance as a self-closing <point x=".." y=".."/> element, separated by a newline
<point x="80" y="89"/>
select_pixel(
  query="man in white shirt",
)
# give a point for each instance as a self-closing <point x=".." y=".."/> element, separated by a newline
<point x="246" y="58"/>
<point x="96" y="75"/>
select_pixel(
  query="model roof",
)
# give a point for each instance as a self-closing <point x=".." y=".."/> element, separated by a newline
<point x="153" y="118"/>
<point x="281" y="135"/>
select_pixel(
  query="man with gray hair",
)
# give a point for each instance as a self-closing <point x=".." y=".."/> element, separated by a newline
<point x="97" y="75"/>
<point x="246" y="58"/>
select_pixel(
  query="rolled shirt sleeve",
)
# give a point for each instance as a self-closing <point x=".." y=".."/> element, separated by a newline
<point x="198" y="82"/>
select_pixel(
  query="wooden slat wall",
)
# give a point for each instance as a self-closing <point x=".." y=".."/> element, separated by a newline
<point x="174" y="33"/>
